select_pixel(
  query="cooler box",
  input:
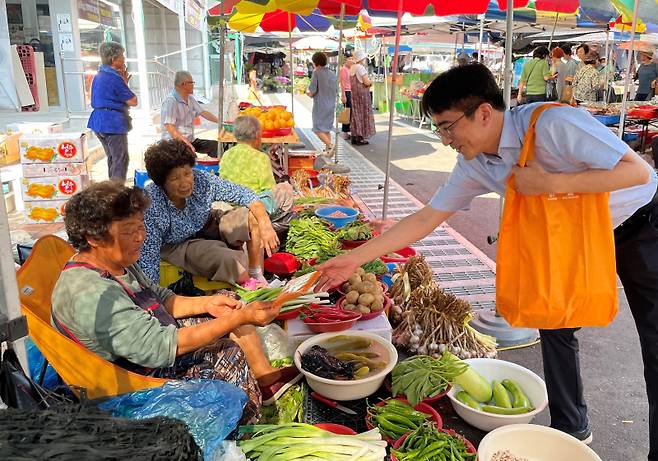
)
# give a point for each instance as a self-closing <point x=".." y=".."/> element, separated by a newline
<point x="44" y="212"/>
<point x="53" y="148"/>
<point x="40" y="170"/>
<point x="211" y="165"/>
<point x="52" y="187"/>
<point x="9" y="150"/>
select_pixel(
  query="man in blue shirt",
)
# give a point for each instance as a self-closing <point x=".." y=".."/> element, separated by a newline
<point x="110" y="98"/>
<point x="573" y="154"/>
<point x="178" y="112"/>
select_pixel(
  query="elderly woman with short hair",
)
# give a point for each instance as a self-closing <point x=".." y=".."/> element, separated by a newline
<point x="245" y="164"/>
<point x="104" y="302"/>
<point x="111" y="98"/>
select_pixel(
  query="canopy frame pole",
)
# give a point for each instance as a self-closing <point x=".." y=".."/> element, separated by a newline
<point x="385" y="53"/>
<point x="220" y="93"/>
<point x="606" y="92"/>
<point x="509" y="71"/>
<point x="627" y="80"/>
<point x="550" y="41"/>
<point x="338" y="67"/>
<point x="292" y="67"/>
<point x="389" y="142"/>
<point x="481" y="38"/>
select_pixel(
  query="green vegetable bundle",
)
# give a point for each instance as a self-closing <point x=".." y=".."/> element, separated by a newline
<point x="395" y="418"/>
<point x="356" y="230"/>
<point x="376" y="267"/>
<point x="288" y="442"/>
<point x="260" y="294"/>
<point x="287" y="409"/>
<point x="427" y="443"/>
<point x="422" y="376"/>
<point x="309" y="238"/>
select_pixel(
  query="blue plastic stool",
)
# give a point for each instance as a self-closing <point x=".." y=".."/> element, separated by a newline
<point x="211" y="166"/>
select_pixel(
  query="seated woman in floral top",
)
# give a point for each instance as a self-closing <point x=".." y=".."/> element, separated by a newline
<point x="183" y="229"/>
<point x="247" y="165"/>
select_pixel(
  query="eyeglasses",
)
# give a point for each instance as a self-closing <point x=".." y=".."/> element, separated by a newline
<point x="443" y="132"/>
<point x="191" y="82"/>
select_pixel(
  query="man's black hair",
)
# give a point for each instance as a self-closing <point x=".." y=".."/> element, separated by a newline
<point x="461" y="88"/>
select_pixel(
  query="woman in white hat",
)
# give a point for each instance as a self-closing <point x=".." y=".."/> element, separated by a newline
<point x="646" y="75"/>
<point x="362" y="120"/>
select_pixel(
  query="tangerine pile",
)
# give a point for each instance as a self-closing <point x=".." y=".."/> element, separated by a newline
<point x="270" y="119"/>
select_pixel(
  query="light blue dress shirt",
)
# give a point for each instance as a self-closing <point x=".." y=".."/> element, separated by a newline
<point x="568" y="140"/>
<point x="179" y="113"/>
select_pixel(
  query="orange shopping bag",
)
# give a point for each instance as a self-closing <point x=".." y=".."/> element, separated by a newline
<point x="556" y="256"/>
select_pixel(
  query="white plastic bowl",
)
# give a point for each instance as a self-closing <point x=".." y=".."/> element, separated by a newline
<point x="536" y="443"/>
<point x="346" y="390"/>
<point x="493" y="369"/>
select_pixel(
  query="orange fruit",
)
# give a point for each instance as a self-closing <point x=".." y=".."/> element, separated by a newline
<point x="286" y="115"/>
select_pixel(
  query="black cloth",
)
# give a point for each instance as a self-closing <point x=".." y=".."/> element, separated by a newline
<point x="206" y="146"/>
<point x="642" y="97"/>
<point x="530" y="98"/>
<point x="654" y="150"/>
<point x="636" y="242"/>
<point x="116" y="151"/>
<point x="348" y="103"/>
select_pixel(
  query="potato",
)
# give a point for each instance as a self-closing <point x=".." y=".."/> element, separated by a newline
<point x="366" y="299"/>
<point x="370" y="278"/>
<point x="349" y="307"/>
<point x="352" y="297"/>
<point x="363" y="309"/>
<point x="377" y="304"/>
<point x="354" y="279"/>
<point x="357" y="287"/>
<point x="360" y="271"/>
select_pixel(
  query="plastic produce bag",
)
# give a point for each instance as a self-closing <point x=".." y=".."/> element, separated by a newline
<point x="210" y="408"/>
<point x="275" y="341"/>
<point x="35" y="359"/>
<point x="229" y="451"/>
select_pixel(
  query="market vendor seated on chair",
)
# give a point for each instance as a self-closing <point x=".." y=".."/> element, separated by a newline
<point x="247" y="165"/>
<point x="184" y="229"/>
<point x="178" y="112"/>
<point x="104" y="302"/>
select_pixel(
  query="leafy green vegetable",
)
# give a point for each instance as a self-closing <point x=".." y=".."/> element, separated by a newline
<point x="280" y="363"/>
<point x="376" y="267"/>
<point x="312" y="200"/>
<point x="287" y="409"/>
<point x="309" y="238"/>
<point x="427" y="442"/>
<point x="422" y="376"/>
<point x="356" y="230"/>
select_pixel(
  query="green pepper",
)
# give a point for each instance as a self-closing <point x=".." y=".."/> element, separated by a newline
<point x="500" y="395"/>
<point x="519" y="398"/>
<point x="506" y="411"/>
<point x="465" y="398"/>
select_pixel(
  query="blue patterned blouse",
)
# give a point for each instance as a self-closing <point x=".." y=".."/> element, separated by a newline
<point x="166" y="224"/>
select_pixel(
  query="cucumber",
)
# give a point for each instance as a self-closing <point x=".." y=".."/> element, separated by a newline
<point x="506" y="411"/>
<point x="519" y="398"/>
<point x="500" y="395"/>
<point x="467" y="400"/>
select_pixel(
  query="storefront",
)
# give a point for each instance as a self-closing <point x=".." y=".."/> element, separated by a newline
<point x="160" y="38"/>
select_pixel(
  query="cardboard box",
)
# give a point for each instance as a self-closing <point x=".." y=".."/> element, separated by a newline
<point x="54" y="148"/>
<point x="9" y="150"/>
<point x="52" y="187"/>
<point x="45" y="212"/>
<point x="298" y="332"/>
<point x="40" y="170"/>
<point x="35" y="128"/>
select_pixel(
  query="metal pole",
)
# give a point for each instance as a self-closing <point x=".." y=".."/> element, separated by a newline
<point x="481" y="38"/>
<point x="509" y="70"/>
<point x="292" y="68"/>
<point x="390" y="112"/>
<point x="550" y="41"/>
<point x="385" y="53"/>
<point x="627" y="81"/>
<point x="140" y="41"/>
<point x="340" y="45"/>
<point x="606" y="92"/>
<point x="220" y="92"/>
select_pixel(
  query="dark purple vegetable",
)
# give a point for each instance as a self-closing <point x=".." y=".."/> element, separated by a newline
<point x="318" y="361"/>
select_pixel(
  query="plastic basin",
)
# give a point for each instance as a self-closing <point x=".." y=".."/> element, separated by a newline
<point x="352" y="389"/>
<point x="538" y="443"/>
<point x="405" y="253"/>
<point x="321" y="327"/>
<point x="326" y="212"/>
<point x="469" y="446"/>
<point x="422" y="407"/>
<point x="493" y="369"/>
<point x="372" y="314"/>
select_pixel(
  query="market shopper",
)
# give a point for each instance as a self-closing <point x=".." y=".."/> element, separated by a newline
<point x="565" y="73"/>
<point x="646" y="76"/>
<point x="184" y="229"/>
<point x="535" y="73"/>
<point x="103" y="301"/>
<point x="346" y="92"/>
<point x="574" y="154"/>
<point x="111" y="99"/>
<point x="178" y="112"/>
<point x="587" y="82"/>
<point x="581" y="51"/>
<point x="362" y="118"/>
<point x="246" y="165"/>
<point x="323" y="91"/>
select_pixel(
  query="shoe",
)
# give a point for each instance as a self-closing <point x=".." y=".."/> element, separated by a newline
<point x="337" y="168"/>
<point x="346" y="136"/>
<point x="586" y="436"/>
<point x="289" y="376"/>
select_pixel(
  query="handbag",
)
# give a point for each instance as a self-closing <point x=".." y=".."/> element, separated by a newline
<point x="556" y="256"/>
<point x="344" y="116"/>
<point x="567" y="93"/>
<point x="551" y="90"/>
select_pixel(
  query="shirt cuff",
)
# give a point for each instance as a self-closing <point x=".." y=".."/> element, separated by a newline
<point x="173" y="346"/>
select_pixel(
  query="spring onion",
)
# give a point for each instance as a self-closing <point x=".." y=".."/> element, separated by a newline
<point x="287" y="442"/>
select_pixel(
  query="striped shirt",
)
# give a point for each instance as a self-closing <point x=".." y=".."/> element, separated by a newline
<point x="179" y="113"/>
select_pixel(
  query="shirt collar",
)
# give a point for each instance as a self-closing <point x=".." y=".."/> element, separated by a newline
<point x="106" y="68"/>
<point x="178" y="97"/>
<point x="509" y="138"/>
